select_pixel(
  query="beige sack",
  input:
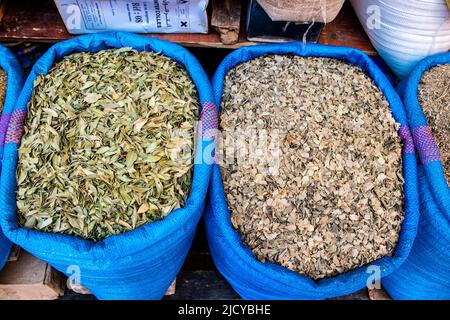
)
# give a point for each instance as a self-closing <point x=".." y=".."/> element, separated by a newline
<point x="302" y="10"/>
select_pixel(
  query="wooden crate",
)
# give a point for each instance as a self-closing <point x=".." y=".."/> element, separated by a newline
<point x="25" y="277"/>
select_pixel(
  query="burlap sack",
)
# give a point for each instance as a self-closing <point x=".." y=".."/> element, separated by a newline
<point x="302" y="10"/>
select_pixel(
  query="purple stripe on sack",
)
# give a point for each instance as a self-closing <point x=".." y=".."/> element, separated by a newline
<point x="15" y="128"/>
<point x="407" y="140"/>
<point x="209" y="120"/>
<point x="426" y="145"/>
<point x="4" y="121"/>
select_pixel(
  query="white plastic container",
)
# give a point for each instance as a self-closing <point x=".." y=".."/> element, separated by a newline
<point x="405" y="31"/>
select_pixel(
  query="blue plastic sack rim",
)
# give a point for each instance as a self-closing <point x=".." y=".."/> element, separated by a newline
<point x="65" y="246"/>
<point x="257" y="280"/>
<point x="434" y="171"/>
<point x="13" y="70"/>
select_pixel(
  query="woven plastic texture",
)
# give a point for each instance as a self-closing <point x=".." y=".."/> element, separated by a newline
<point x="256" y="280"/>
<point x="13" y="70"/>
<point x="139" y="264"/>
<point x="426" y="272"/>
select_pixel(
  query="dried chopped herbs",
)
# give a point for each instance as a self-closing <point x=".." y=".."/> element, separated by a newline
<point x="108" y="143"/>
<point x="434" y="97"/>
<point x="324" y="193"/>
<point x="3" y="84"/>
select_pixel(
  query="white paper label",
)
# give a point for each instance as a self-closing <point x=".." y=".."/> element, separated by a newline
<point x="156" y="16"/>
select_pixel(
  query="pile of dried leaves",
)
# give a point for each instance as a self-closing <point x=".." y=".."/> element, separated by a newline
<point x="434" y="97"/>
<point x="108" y="143"/>
<point x="3" y="83"/>
<point x="335" y="199"/>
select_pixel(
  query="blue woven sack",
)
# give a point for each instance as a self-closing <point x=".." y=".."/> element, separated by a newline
<point x="139" y="264"/>
<point x="426" y="272"/>
<point x="256" y="280"/>
<point x="12" y="68"/>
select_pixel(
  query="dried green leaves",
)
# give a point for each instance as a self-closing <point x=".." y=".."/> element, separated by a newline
<point x="108" y="144"/>
<point x="434" y="97"/>
<point x="3" y="85"/>
<point x="332" y="197"/>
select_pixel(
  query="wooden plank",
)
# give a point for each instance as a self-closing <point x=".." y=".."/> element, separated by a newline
<point x="14" y="254"/>
<point x="79" y="289"/>
<point x="205" y="285"/>
<point x="202" y="285"/>
<point x="210" y="285"/>
<point x="226" y="18"/>
<point x="346" y="30"/>
<point x="378" y="294"/>
<point x="39" y="21"/>
<point x="171" y="290"/>
<point x="29" y="278"/>
<point x="358" y="295"/>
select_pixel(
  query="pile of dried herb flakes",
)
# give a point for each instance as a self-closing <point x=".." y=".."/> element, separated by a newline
<point x="3" y="84"/>
<point x="336" y="200"/>
<point x="108" y="143"/>
<point x="434" y="97"/>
